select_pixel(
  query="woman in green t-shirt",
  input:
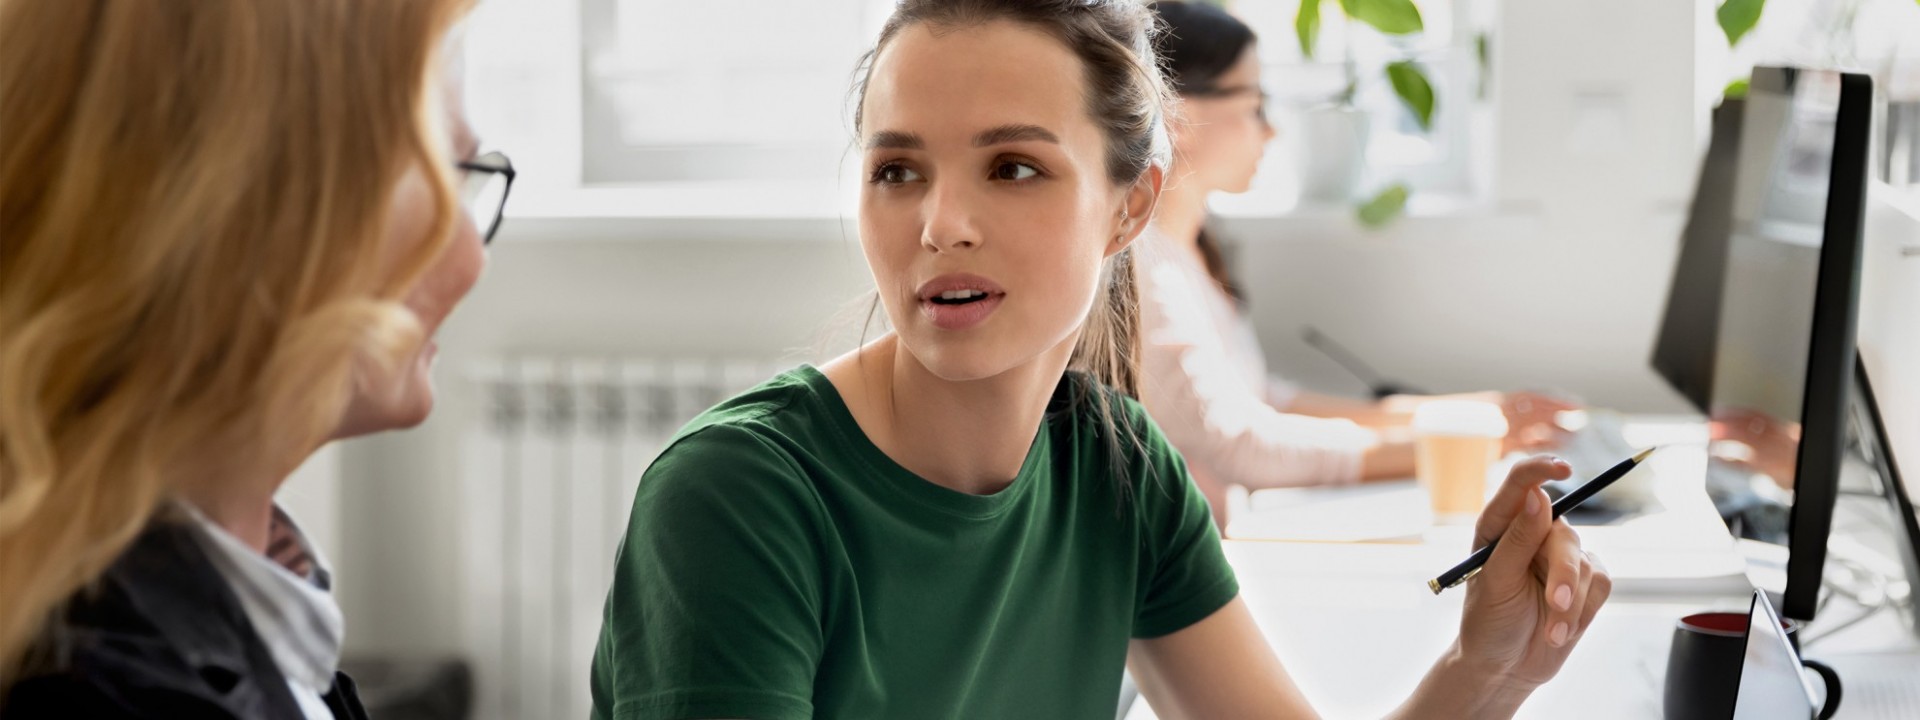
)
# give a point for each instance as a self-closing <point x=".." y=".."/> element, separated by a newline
<point x="971" y="517"/>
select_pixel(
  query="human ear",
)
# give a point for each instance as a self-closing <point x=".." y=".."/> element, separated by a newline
<point x="1136" y="208"/>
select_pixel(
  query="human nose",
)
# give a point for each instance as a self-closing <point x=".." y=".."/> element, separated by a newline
<point x="949" y="219"/>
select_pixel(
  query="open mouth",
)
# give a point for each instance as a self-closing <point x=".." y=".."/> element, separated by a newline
<point x="959" y="301"/>
<point x="958" y="297"/>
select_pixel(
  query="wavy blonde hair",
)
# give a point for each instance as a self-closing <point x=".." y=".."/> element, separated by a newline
<point x="193" y="197"/>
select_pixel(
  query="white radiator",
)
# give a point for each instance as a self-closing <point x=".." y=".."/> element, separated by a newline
<point x="548" y="476"/>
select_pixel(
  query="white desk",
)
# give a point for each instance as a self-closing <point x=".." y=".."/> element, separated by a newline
<point x="1357" y="628"/>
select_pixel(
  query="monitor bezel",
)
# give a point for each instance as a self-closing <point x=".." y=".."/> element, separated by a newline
<point x="1831" y="348"/>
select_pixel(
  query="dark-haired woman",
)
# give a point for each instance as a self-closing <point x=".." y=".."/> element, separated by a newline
<point x="1204" y="378"/>
<point x="969" y="517"/>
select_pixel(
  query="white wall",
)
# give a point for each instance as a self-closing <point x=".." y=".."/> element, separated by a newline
<point x="1890" y="320"/>
<point x="1560" y="282"/>
<point x="580" y="288"/>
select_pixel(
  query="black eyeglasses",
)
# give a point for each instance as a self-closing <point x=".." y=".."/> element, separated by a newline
<point x="1259" y="111"/>
<point x="483" y="191"/>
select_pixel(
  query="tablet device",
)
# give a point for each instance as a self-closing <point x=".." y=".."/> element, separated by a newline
<point x="1772" y="684"/>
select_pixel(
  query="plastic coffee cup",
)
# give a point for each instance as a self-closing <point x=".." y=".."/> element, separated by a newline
<point x="1456" y="443"/>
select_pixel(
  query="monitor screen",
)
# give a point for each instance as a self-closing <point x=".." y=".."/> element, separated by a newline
<point x="1783" y="354"/>
<point x="1683" y="350"/>
<point x="1772" y="269"/>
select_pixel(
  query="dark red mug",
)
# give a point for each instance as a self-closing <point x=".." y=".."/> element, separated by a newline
<point x="1703" y="666"/>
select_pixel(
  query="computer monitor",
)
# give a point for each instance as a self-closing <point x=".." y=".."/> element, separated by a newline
<point x="1683" y="351"/>
<point x="1784" y="350"/>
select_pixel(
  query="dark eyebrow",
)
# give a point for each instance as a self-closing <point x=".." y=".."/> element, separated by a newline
<point x="1227" y="90"/>
<point x="896" y="140"/>
<point x="1014" y="133"/>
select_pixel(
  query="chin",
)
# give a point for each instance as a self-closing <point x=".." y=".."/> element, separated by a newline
<point x="413" y="413"/>
<point x="955" y="360"/>
<point x="370" y="414"/>
<point x="413" y="406"/>
<point x="959" y="366"/>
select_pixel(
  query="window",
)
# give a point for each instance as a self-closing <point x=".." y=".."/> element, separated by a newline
<point x="709" y="93"/>
<point x="669" y="91"/>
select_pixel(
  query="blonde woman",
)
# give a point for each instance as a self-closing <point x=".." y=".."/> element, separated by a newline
<point x="231" y="228"/>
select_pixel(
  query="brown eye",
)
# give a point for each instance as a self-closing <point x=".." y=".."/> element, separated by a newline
<point x="894" y="174"/>
<point x="1014" y="171"/>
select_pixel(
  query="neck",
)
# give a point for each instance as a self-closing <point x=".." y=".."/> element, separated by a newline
<point x="1182" y="212"/>
<point x="971" y="436"/>
<point x="239" y="502"/>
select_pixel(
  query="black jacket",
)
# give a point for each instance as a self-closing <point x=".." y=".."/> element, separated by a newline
<point x="162" y="636"/>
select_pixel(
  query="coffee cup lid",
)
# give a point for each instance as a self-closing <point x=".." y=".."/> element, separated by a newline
<point x="1470" y="418"/>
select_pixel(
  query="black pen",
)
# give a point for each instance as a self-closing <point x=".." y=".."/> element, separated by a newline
<point x="1471" y="566"/>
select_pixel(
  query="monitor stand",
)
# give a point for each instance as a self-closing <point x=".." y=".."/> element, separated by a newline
<point x="1868" y="443"/>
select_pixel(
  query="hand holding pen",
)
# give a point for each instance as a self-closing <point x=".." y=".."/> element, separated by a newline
<point x="1466" y="569"/>
<point x="1538" y="590"/>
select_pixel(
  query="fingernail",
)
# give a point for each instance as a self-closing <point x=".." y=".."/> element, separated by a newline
<point x="1559" y="635"/>
<point x="1561" y="463"/>
<point x="1563" y="598"/>
<point x="1533" y="502"/>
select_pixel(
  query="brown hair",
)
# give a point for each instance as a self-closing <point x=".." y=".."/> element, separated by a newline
<point x="1126" y="97"/>
<point x="1201" y="43"/>
<point x="194" y="198"/>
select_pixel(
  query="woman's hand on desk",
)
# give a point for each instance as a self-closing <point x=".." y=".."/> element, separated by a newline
<point x="1533" y="420"/>
<point x="1535" y="597"/>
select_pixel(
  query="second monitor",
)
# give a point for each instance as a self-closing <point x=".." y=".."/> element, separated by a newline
<point x="1784" y="347"/>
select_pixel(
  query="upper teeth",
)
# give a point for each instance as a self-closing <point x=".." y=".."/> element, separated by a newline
<point x="960" y="294"/>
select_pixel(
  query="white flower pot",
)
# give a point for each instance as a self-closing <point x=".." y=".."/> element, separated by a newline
<point x="1333" y="144"/>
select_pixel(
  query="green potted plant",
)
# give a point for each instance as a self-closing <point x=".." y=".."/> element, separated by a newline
<point x="1336" y="132"/>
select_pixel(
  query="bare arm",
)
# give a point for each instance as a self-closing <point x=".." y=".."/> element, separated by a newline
<point x="1517" y="630"/>
<point x="1220" y="667"/>
<point x="1392" y="459"/>
<point x="1364" y="412"/>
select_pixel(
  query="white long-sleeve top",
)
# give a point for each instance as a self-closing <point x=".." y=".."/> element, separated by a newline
<point x="1205" y="382"/>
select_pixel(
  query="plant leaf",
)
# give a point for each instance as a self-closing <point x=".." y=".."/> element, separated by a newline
<point x="1483" y="49"/>
<point x="1306" y="25"/>
<point x="1736" y="89"/>
<point x="1737" y="17"/>
<point x="1413" y="88"/>
<point x="1384" y="207"/>
<point x="1393" y="17"/>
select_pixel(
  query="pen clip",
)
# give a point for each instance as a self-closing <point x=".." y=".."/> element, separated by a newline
<point x="1464" y="578"/>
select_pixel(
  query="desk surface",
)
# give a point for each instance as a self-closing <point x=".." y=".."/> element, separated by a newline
<point x="1357" y="628"/>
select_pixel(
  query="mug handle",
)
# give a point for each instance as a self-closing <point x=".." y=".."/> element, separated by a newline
<point x="1832" y="678"/>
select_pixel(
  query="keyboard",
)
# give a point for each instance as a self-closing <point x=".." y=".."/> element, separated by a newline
<point x="1601" y="441"/>
<point x="1598" y="444"/>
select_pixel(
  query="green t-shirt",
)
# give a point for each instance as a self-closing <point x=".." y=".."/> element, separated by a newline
<point x="779" y="565"/>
